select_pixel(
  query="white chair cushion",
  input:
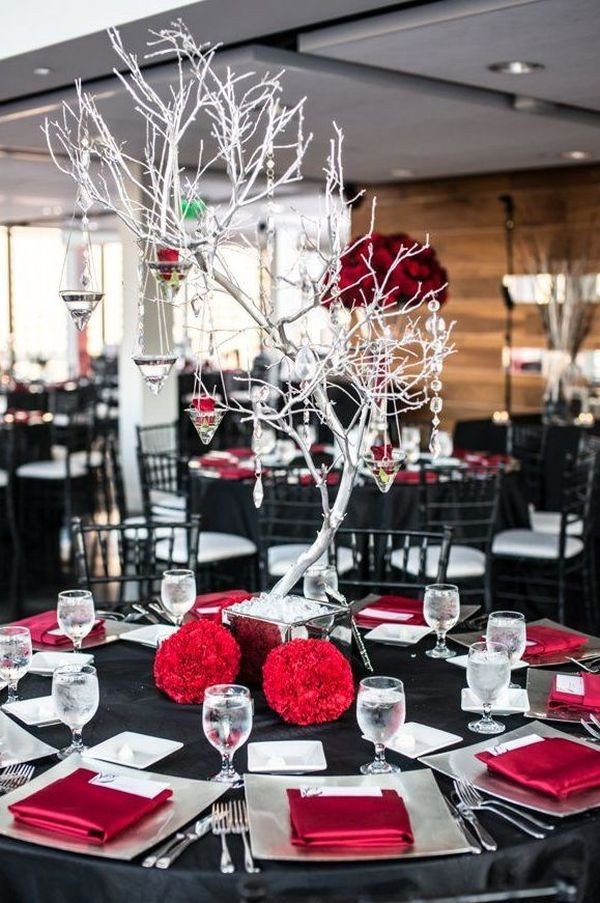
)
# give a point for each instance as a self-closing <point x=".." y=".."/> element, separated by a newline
<point x="211" y="547"/>
<point x="3" y="479"/>
<point x="167" y="499"/>
<point x="59" y="453"/>
<point x="463" y="563"/>
<point x="51" y="470"/>
<point x="169" y="515"/>
<point x="280" y="558"/>
<point x="549" y="522"/>
<point x="531" y="544"/>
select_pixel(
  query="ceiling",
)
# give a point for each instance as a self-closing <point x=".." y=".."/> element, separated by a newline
<point x="408" y="83"/>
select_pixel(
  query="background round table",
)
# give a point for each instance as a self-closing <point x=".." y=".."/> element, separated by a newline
<point x="130" y="701"/>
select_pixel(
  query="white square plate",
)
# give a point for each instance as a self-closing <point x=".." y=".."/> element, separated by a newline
<point x="18" y="745"/>
<point x="286" y="756"/>
<point x="415" y="739"/>
<point x="151" y="635"/>
<point x="45" y="663"/>
<point x="511" y="702"/>
<point x="461" y="661"/>
<point x="397" y="634"/>
<point x="37" y="712"/>
<point x="133" y="750"/>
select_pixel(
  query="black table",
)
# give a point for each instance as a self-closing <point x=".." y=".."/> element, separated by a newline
<point x="227" y="505"/>
<point x="129" y="700"/>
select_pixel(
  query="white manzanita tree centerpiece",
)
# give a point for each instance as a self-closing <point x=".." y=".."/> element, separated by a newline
<point x="388" y="354"/>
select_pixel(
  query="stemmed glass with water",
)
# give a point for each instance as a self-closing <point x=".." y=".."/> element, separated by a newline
<point x="510" y="629"/>
<point x="76" y="615"/>
<point x="380" y="712"/>
<point x="441" y="610"/>
<point x="75" y="696"/>
<point x="488" y="674"/>
<point x="15" y="657"/>
<point x="178" y="592"/>
<point x="227" y="721"/>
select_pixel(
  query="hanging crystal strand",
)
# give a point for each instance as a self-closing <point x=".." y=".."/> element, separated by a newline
<point x="436" y="326"/>
<point x="257" y="431"/>
<point x="142" y="276"/>
<point x="270" y="239"/>
<point x="258" y="492"/>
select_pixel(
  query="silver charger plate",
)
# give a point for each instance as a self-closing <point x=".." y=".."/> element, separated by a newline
<point x="18" y="745"/>
<point x="591" y="648"/>
<point x="189" y="799"/>
<point x="461" y="763"/>
<point x="435" y="832"/>
<point x="539" y="685"/>
<point x="112" y="633"/>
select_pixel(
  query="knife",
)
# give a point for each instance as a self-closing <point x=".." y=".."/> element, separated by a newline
<point x="464" y="827"/>
<point x="484" y="837"/>
<point x="200" y="829"/>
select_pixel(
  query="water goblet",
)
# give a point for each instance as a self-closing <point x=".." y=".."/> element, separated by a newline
<point x="318" y="579"/>
<point x="441" y="608"/>
<point x="76" y="615"/>
<point x="75" y="696"/>
<point x="510" y="629"/>
<point x="380" y="712"/>
<point x="227" y="722"/>
<point x="15" y="657"/>
<point x="488" y="674"/>
<point x="178" y="592"/>
<point x="411" y="442"/>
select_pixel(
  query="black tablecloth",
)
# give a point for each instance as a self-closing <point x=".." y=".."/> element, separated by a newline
<point x="129" y="700"/>
<point x="227" y="506"/>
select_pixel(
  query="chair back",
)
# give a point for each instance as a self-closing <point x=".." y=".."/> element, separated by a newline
<point x="466" y="500"/>
<point x="290" y="513"/>
<point x="372" y="570"/>
<point x="529" y="445"/>
<point x="161" y="438"/>
<point x="578" y="484"/>
<point x="119" y="562"/>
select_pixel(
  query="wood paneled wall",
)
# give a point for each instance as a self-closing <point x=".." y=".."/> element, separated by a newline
<point x="464" y="219"/>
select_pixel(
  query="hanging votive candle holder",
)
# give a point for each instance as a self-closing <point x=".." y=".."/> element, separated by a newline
<point x="206" y="417"/>
<point x="155" y="369"/>
<point x="383" y="463"/>
<point x="81" y="304"/>
<point x="169" y="269"/>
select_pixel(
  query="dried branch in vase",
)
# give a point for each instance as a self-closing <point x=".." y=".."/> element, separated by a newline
<point x="385" y="348"/>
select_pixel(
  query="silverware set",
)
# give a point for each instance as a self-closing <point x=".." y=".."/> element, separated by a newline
<point x="15" y="776"/>
<point x="469" y="801"/>
<point x="225" y="819"/>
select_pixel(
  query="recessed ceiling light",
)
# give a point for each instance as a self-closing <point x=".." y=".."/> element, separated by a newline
<point x="42" y="70"/>
<point x="401" y="173"/>
<point x="576" y="155"/>
<point x="516" y="67"/>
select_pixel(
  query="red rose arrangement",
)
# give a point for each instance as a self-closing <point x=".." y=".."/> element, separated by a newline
<point x="204" y="403"/>
<point x="357" y="284"/>
<point x="308" y="682"/>
<point x="200" y="654"/>
<point x="382" y="452"/>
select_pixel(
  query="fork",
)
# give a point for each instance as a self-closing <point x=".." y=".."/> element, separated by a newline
<point x="591" y="727"/>
<point x="238" y="823"/>
<point x="471" y="798"/>
<point x="220" y="828"/>
<point x="592" y="668"/>
<point x="15" y="776"/>
<point x="500" y="804"/>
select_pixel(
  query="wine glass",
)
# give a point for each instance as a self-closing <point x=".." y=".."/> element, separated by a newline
<point x="488" y="674"/>
<point x="446" y="443"/>
<point x="15" y="657"/>
<point x="510" y="629"/>
<point x="227" y="722"/>
<point x="76" y="615"/>
<point x="441" y="608"/>
<point x="318" y="579"/>
<point x="178" y="592"/>
<point x="380" y="712"/>
<point x="75" y="696"/>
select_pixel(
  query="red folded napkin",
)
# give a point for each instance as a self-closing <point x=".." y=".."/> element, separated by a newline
<point x="240" y="452"/>
<point x="383" y="609"/>
<point x="39" y="625"/>
<point x="413" y="477"/>
<point x="349" y="821"/>
<point x="236" y="473"/>
<point x="588" y="701"/>
<point x="208" y="605"/>
<point x="306" y="479"/>
<point x="550" y="641"/>
<point x="91" y="812"/>
<point x="554" y="767"/>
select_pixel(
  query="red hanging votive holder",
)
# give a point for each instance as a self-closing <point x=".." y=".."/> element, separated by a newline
<point x="206" y="417"/>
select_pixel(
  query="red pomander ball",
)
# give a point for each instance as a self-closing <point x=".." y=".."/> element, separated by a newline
<point x="200" y="654"/>
<point x="308" y="681"/>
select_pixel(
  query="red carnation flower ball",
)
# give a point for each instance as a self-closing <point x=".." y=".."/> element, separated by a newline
<point x="200" y="654"/>
<point x="308" y="682"/>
